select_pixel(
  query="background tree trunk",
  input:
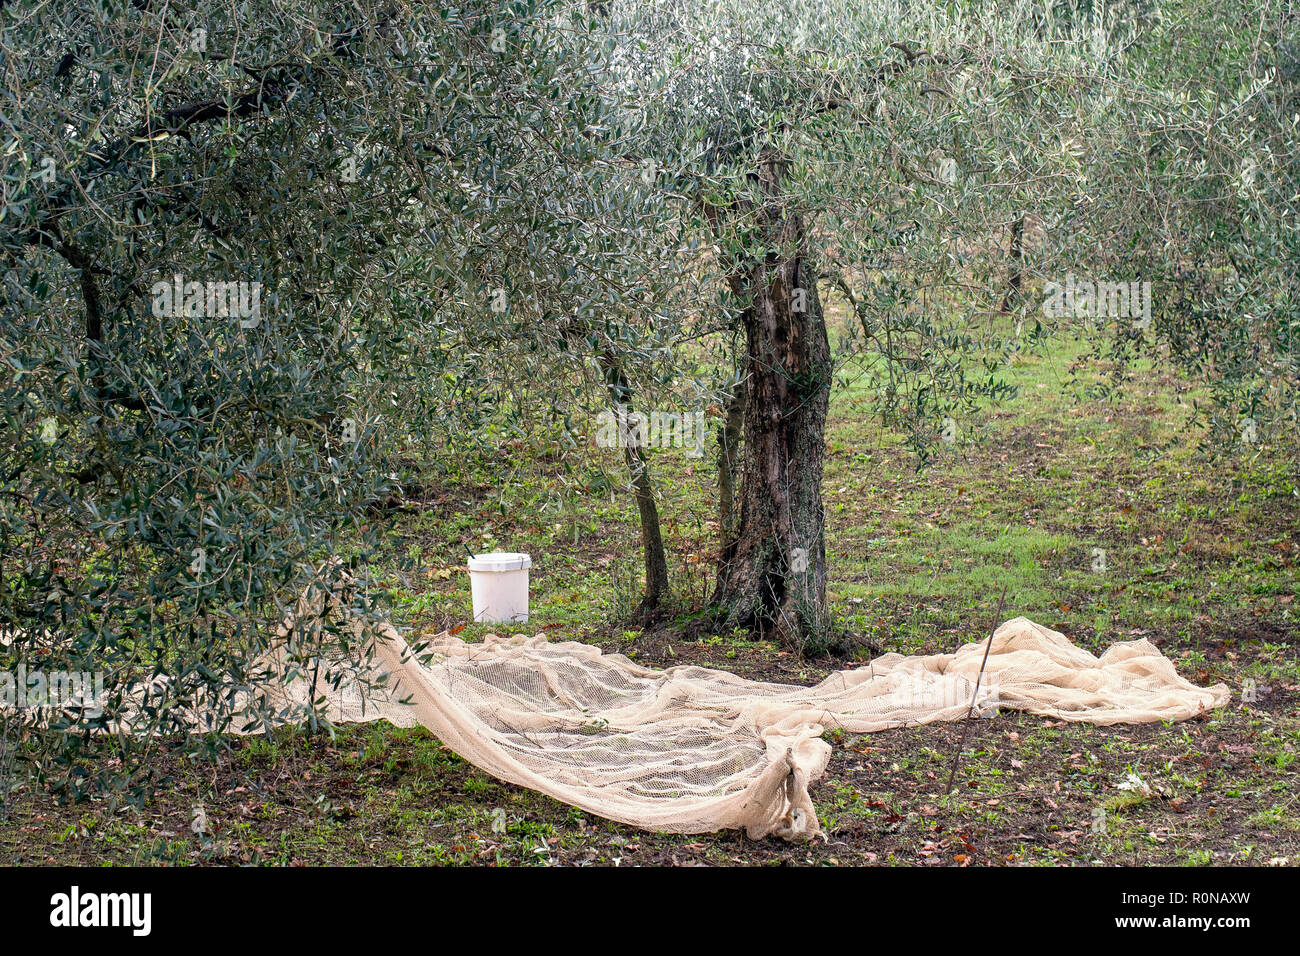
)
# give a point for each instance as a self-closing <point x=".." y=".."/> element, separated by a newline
<point x="774" y="578"/>
<point x="652" y="542"/>
<point x="1012" y="298"/>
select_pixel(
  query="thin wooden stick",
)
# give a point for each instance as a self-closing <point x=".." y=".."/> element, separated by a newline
<point x="961" y="743"/>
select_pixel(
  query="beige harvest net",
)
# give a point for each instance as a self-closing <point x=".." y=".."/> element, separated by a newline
<point x="692" y="750"/>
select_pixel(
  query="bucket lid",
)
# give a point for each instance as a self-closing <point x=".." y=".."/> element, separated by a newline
<point x="500" y="561"/>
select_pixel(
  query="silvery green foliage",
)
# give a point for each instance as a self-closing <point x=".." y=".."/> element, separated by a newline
<point x="954" y="158"/>
<point x="1221" y="148"/>
<point x="175" y="468"/>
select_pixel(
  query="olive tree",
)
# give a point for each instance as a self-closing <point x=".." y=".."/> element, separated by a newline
<point x="244" y="251"/>
<point x="927" y="164"/>
<point x="1220" y="148"/>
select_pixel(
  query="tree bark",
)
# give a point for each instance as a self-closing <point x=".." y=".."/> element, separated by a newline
<point x="774" y="578"/>
<point x="729" y="443"/>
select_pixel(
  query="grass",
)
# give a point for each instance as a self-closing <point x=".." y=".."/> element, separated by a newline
<point x="1086" y="498"/>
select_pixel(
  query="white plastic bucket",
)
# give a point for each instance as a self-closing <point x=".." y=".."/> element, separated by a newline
<point x="498" y="583"/>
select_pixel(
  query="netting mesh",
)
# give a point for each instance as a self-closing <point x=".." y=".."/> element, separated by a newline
<point x="687" y="749"/>
<point x="690" y="749"/>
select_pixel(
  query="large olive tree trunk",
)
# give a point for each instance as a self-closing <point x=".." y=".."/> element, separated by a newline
<point x="772" y="577"/>
<point x="729" y="444"/>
